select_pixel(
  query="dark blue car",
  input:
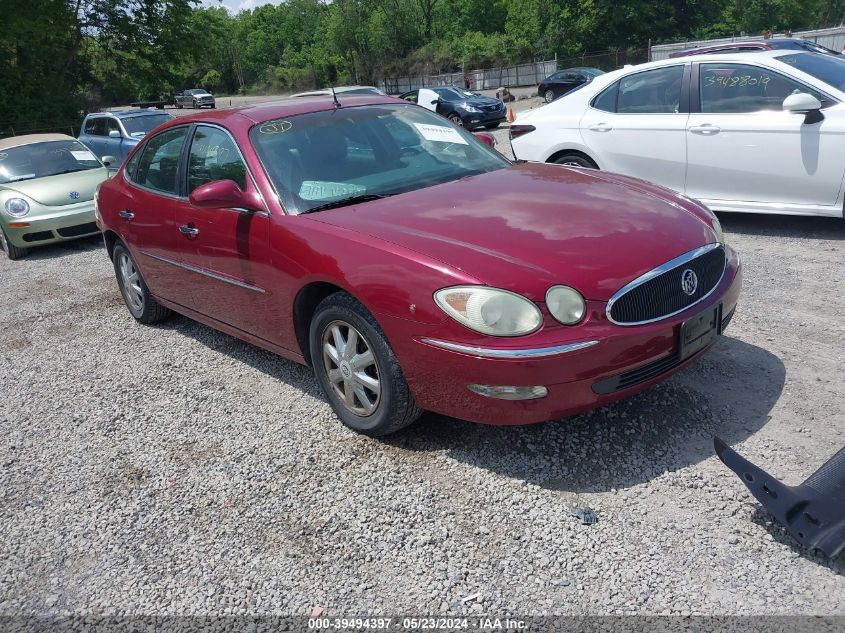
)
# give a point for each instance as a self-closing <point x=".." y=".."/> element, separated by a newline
<point x="116" y="133"/>
<point x="462" y="107"/>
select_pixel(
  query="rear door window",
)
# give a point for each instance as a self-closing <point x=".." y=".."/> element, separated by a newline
<point x="655" y="91"/>
<point x="158" y="166"/>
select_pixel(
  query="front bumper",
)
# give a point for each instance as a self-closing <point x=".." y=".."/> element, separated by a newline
<point x="480" y="119"/>
<point x="576" y="379"/>
<point x="69" y="223"/>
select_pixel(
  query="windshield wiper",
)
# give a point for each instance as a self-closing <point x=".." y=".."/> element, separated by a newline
<point x="342" y="202"/>
<point x="70" y="171"/>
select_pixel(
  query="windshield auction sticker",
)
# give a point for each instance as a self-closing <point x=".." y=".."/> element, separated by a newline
<point x="440" y="133"/>
<point x="82" y="155"/>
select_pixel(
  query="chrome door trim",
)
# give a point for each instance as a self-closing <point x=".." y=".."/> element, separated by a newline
<point x="207" y="273"/>
<point x="487" y="352"/>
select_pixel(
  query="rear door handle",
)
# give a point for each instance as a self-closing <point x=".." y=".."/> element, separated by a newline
<point x="601" y="127"/>
<point x="126" y="214"/>
<point x="187" y="229"/>
<point x="705" y="129"/>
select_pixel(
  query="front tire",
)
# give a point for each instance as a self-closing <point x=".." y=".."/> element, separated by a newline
<point x="456" y="119"/>
<point x="575" y="160"/>
<point x="194" y="104"/>
<point x="358" y="370"/>
<point x="12" y="252"/>
<point x="140" y="303"/>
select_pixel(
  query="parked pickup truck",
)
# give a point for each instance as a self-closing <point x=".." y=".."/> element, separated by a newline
<point x="194" y="98"/>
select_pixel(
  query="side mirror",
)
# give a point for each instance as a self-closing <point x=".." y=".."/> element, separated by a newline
<point x="109" y="161"/>
<point x="114" y="134"/>
<point x="435" y="102"/>
<point x="224" y="194"/>
<point x="486" y="138"/>
<point x="801" y="102"/>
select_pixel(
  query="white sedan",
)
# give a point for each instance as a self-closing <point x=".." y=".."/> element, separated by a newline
<point x="750" y="132"/>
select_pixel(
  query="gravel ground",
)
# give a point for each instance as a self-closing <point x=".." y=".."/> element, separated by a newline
<point x="174" y="469"/>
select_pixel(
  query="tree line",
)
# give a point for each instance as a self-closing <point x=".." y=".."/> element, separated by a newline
<point x="59" y="58"/>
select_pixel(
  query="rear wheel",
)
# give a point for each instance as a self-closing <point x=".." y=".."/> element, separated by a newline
<point x="549" y="96"/>
<point x="575" y="160"/>
<point x="456" y="119"/>
<point x="12" y="251"/>
<point x="141" y="304"/>
<point x="358" y="370"/>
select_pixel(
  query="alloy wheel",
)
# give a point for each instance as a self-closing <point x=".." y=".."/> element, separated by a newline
<point x="456" y="120"/>
<point x="3" y="244"/>
<point x="351" y="368"/>
<point x="549" y="96"/>
<point x="131" y="282"/>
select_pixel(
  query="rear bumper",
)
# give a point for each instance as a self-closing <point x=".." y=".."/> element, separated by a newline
<point x="55" y="227"/>
<point x="576" y="380"/>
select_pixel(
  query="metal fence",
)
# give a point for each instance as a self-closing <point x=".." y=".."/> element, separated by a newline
<point x="71" y="128"/>
<point x="833" y="38"/>
<point x="524" y="74"/>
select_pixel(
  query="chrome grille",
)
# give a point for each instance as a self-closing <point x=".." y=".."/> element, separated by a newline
<point x="659" y="293"/>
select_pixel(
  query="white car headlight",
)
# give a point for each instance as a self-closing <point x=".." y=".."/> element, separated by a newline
<point x="17" y="207"/>
<point x="490" y="310"/>
<point x="471" y="108"/>
<point x="566" y="304"/>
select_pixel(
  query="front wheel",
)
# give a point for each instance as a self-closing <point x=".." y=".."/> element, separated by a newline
<point x="358" y="370"/>
<point x="141" y="304"/>
<point x="456" y="119"/>
<point x="12" y="252"/>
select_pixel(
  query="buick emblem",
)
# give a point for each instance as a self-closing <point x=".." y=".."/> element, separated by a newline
<point x="74" y="195"/>
<point x="689" y="282"/>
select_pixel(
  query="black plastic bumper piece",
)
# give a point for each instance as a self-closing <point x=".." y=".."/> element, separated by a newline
<point x="814" y="512"/>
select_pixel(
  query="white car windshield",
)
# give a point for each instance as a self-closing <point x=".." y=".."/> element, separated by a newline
<point x="336" y="157"/>
<point x="49" y="158"/>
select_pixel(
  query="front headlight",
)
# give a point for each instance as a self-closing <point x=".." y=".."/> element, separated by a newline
<point x="17" y="207"/>
<point x="490" y="310"/>
<point x="566" y="304"/>
<point x="471" y="108"/>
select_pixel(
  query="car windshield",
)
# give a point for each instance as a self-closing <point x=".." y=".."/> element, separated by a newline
<point x="454" y="94"/>
<point x="340" y="156"/>
<point x="138" y="126"/>
<point x="806" y="45"/>
<point x="48" y="158"/>
<point x="826" y="68"/>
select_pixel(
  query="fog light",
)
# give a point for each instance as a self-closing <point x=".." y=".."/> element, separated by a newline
<point x="509" y="393"/>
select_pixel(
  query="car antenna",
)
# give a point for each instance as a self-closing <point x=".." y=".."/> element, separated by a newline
<point x="334" y="96"/>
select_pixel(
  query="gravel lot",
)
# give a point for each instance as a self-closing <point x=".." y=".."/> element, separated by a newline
<point x="175" y="469"/>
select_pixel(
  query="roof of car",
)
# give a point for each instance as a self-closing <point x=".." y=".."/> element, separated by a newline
<point x="28" y="139"/>
<point x="268" y="111"/>
<point x="120" y="114"/>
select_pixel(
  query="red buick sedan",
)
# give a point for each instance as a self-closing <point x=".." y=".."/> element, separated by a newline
<point x="412" y="266"/>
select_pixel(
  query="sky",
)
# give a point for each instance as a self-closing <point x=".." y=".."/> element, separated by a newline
<point x="238" y="5"/>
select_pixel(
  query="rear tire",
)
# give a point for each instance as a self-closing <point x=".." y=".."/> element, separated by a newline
<point x="548" y="96"/>
<point x="357" y="369"/>
<point x="575" y="160"/>
<point x="12" y="252"/>
<point x="140" y="303"/>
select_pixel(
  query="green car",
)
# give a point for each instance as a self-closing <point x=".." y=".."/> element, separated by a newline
<point x="47" y="187"/>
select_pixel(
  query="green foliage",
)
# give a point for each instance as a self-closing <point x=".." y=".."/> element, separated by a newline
<point x="59" y="57"/>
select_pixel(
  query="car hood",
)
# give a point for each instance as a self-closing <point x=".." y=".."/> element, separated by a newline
<point x="202" y="95"/>
<point x="531" y="226"/>
<point x="481" y="101"/>
<point x="54" y="191"/>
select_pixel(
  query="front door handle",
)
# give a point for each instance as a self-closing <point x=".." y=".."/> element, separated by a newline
<point x="126" y="215"/>
<point x="705" y="129"/>
<point x="601" y="127"/>
<point x="187" y="229"/>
